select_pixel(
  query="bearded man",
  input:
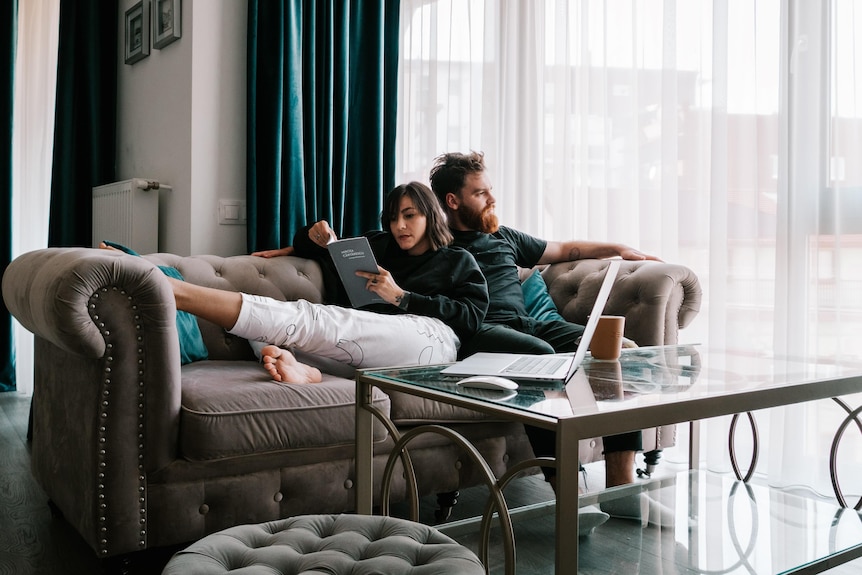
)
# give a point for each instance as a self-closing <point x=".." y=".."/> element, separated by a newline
<point x="463" y="188"/>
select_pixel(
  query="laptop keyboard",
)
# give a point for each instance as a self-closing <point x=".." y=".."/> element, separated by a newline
<point x="533" y="365"/>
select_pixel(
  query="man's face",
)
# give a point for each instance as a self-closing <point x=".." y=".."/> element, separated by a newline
<point x="474" y="205"/>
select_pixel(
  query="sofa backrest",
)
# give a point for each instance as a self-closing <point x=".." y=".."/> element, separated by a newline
<point x="282" y="278"/>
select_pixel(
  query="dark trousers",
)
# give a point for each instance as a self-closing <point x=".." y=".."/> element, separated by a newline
<point x="527" y="335"/>
<point x="543" y="442"/>
<point x="524" y="335"/>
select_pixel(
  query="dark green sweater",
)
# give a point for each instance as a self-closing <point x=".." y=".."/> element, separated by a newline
<point x="446" y="284"/>
<point x="499" y="255"/>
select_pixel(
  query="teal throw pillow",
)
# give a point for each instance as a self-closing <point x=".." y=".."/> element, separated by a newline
<point x="537" y="299"/>
<point x="192" y="347"/>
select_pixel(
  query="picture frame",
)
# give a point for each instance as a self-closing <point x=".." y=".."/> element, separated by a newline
<point x="137" y="32"/>
<point x="167" y="22"/>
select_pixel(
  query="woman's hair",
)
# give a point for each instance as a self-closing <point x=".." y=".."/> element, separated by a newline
<point x="451" y="170"/>
<point x="437" y="228"/>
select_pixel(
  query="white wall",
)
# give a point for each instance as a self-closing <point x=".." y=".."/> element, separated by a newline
<point x="181" y="120"/>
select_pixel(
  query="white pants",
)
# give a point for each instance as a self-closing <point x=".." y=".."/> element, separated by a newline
<point x="359" y="338"/>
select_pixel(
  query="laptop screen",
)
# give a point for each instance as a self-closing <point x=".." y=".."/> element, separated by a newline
<point x="488" y="363"/>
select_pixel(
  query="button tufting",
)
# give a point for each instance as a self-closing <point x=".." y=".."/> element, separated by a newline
<point x="372" y="541"/>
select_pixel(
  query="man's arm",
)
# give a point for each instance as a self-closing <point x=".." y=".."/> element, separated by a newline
<point x="556" y="252"/>
<point x="288" y="251"/>
<point x="318" y="233"/>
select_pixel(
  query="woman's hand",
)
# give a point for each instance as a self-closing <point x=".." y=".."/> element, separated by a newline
<point x="383" y="285"/>
<point x="321" y="234"/>
<point x="288" y="251"/>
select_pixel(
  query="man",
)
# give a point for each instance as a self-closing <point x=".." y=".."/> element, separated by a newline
<point x="464" y="190"/>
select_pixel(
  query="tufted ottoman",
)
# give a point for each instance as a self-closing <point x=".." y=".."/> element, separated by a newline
<point x="332" y="544"/>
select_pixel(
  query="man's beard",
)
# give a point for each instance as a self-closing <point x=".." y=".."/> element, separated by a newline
<point x="484" y="221"/>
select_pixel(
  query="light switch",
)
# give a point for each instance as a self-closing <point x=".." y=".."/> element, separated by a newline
<point x="231" y="212"/>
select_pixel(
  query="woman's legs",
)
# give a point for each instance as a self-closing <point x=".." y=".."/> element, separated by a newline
<point x="223" y="307"/>
<point x="218" y="306"/>
<point x="359" y="338"/>
<point x="356" y="337"/>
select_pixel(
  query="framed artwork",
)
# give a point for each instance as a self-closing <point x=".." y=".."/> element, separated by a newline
<point x="167" y="22"/>
<point x="137" y="32"/>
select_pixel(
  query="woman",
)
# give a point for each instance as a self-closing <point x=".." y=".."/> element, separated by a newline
<point x="435" y="295"/>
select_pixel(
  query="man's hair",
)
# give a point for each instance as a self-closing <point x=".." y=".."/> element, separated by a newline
<point x="437" y="228"/>
<point x="451" y="170"/>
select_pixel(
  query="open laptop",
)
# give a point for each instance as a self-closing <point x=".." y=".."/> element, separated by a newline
<point x="539" y="367"/>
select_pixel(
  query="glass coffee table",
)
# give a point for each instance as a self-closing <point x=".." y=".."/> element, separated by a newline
<point x="648" y="387"/>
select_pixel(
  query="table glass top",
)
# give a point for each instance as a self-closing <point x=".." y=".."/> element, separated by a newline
<point x="642" y="377"/>
<point x="715" y="524"/>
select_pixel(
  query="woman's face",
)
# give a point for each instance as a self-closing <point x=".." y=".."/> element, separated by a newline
<point x="408" y="227"/>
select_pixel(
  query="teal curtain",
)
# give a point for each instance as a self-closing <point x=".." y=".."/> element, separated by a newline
<point x="85" y="121"/>
<point x="321" y="115"/>
<point x="8" y="41"/>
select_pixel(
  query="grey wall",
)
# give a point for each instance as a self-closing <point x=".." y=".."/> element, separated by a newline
<point x="181" y="120"/>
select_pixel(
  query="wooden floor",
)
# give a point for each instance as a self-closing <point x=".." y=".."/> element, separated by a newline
<point x="32" y="541"/>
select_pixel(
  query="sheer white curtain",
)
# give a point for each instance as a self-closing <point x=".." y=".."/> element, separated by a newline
<point x="33" y="144"/>
<point x="719" y="134"/>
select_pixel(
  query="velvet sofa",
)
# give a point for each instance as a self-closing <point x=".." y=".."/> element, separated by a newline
<point x="137" y="450"/>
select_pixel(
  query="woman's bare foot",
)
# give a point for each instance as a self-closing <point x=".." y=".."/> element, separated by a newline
<point x="282" y="366"/>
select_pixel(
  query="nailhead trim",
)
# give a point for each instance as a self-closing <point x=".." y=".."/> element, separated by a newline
<point x="104" y="426"/>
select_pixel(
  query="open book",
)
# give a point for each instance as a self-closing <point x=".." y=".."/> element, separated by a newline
<point x="351" y="255"/>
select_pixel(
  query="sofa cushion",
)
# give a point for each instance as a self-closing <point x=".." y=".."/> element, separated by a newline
<point x="537" y="300"/>
<point x="233" y="409"/>
<point x="413" y="410"/>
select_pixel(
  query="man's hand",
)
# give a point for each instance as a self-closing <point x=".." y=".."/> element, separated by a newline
<point x="628" y="253"/>
<point x="288" y="251"/>
<point x="556" y="252"/>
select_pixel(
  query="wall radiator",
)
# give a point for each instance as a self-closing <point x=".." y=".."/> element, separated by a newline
<point x="127" y="212"/>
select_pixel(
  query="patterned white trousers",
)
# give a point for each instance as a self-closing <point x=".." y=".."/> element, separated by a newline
<point x="359" y="338"/>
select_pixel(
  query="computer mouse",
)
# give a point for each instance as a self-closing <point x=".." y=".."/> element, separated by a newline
<point x="488" y="382"/>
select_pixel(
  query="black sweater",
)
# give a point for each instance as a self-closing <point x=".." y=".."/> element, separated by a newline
<point x="446" y="283"/>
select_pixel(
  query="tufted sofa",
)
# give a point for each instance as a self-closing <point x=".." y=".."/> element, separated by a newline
<point x="138" y="451"/>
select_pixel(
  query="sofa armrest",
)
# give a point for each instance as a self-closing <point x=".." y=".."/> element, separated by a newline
<point x="108" y="373"/>
<point x="106" y="398"/>
<point x="656" y="298"/>
<point x="49" y="292"/>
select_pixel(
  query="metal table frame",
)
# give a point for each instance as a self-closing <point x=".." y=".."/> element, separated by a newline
<point x="687" y="407"/>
